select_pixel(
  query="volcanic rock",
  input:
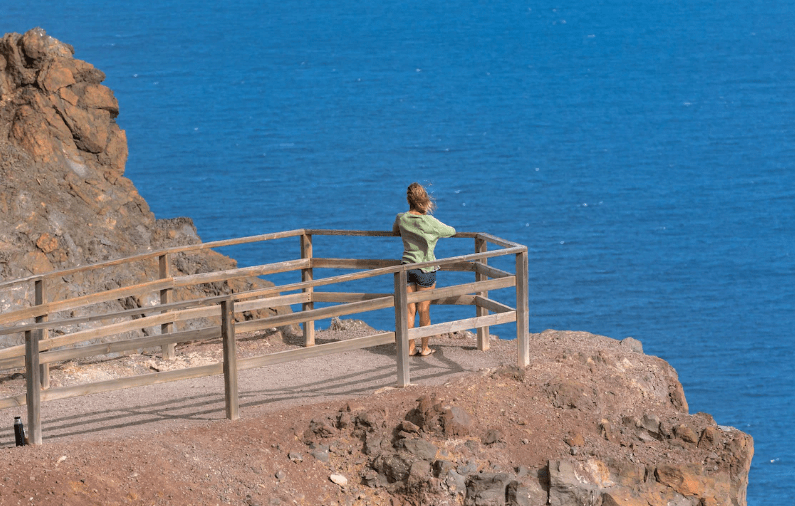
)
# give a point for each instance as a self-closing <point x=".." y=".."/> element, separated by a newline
<point x="64" y="200"/>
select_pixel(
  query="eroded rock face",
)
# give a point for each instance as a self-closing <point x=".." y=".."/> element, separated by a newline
<point x="63" y="197"/>
<point x="64" y="200"/>
<point x="55" y="107"/>
<point x="423" y="465"/>
<point x="593" y="427"/>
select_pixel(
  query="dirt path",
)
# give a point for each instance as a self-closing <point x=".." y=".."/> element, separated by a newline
<point x="196" y="402"/>
<point x="331" y="430"/>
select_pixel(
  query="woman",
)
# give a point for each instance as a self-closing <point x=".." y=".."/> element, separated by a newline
<point x="420" y="231"/>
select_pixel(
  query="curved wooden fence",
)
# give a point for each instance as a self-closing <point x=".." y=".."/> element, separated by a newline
<point x="40" y="349"/>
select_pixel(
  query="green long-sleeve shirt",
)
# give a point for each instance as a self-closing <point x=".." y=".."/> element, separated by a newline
<point x="420" y="233"/>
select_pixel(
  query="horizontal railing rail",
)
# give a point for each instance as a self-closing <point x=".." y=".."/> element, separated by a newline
<point x="38" y="320"/>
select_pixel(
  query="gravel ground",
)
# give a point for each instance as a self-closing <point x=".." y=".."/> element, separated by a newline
<point x="188" y="403"/>
<point x="581" y="398"/>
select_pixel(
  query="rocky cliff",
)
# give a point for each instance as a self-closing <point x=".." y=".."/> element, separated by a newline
<point x="64" y="200"/>
<point x="591" y="421"/>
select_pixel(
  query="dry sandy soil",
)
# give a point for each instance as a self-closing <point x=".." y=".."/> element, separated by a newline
<point x="170" y="443"/>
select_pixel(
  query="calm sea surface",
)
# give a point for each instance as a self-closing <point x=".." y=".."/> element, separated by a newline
<point x="642" y="150"/>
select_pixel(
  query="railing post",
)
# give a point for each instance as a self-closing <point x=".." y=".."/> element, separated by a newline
<point x="306" y="275"/>
<point x="481" y="246"/>
<point x="41" y="298"/>
<point x="33" y="384"/>
<point x="230" y="358"/>
<point x="402" y="328"/>
<point x="166" y="295"/>
<point x="522" y="310"/>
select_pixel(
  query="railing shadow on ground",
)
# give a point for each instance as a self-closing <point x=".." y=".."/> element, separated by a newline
<point x="41" y="349"/>
<point x="119" y="415"/>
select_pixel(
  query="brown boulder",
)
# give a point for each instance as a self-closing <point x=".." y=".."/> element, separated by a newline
<point x="685" y="433"/>
<point x="63" y="195"/>
<point x="55" y="76"/>
<point x="30" y="131"/>
<point x="37" y="262"/>
<point x="16" y="73"/>
<point x="47" y="243"/>
<point x="96" y="96"/>
<point x="68" y="95"/>
<point x="456" y="421"/>
<point x="57" y="126"/>
<point x="622" y="497"/>
<point x="86" y="73"/>
<point x="115" y="154"/>
<point x="571" y="394"/>
<point x="90" y="128"/>
<point x="36" y="45"/>
<point x="692" y="481"/>
<point x="575" y="439"/>
<point x="677" y="394"/>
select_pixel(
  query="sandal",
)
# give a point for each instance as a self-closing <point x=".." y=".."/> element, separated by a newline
<point x="431" y="351"/>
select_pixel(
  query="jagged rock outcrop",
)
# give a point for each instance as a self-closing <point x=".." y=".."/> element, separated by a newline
<point x="599" y="427"/>
<point x="64" y="200"/>
<point x="590" y="421"/>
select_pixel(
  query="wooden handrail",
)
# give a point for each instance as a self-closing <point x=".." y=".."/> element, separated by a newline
<point x="154" y="254"/>
<point x="40" y="350"/>
<point x="202" y="278"/>
<point x="85" y="300"/>
<point x="233" y="242"/>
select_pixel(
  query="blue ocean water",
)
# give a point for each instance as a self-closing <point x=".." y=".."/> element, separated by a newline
<point x="642" y="150"/>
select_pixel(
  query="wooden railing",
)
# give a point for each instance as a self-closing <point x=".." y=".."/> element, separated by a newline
<point x="40" y="349"/>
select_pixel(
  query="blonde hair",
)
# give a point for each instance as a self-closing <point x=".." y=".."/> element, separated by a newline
<point x="419" y="199"/>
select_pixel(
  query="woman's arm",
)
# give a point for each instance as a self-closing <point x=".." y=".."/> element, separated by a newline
<point x="396" y="226"/>
<point x="443" y="230"/>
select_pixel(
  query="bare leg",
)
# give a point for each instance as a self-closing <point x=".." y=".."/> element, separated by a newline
<point x="412" y="311"/>
<point x="424" y="309"/>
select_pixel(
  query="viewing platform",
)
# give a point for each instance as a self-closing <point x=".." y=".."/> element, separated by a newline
<point x="98" y="333"/>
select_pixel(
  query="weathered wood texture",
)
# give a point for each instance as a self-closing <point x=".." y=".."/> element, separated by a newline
<point x="38" y="349"/>
<point x="402" y="328"/>
<point x="491" y="305"/>
<point x="40" y="297"/>
<point x="49" y="357"/>
<point x="499" y="242"/>
<point x="245" y="272"/>
<point x="166" y="294"/>
<point x="458" y="325"/>
<point x="316" y="314"/>
<point x="450" y="291"/>
<point x="53" y="324"/>
<point x="154" y="254"/>
<point x="230" y="359"/>
<point x="307" y="274"/>
<point x="170" y="283"/>
<point x="54" y="356"/>
<point x="490" y="272"/>
<point x="352" y="263"/>
<point x="522" y="310"/>
<point x="480" y="275"/>
<point x="85" y="300"/>
<point x="118" y="328"/>
<point x="33" y="386"/>
<point x="346" y="296"/>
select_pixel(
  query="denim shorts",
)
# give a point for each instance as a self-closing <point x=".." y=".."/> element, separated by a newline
<point x="421" y="278"/>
